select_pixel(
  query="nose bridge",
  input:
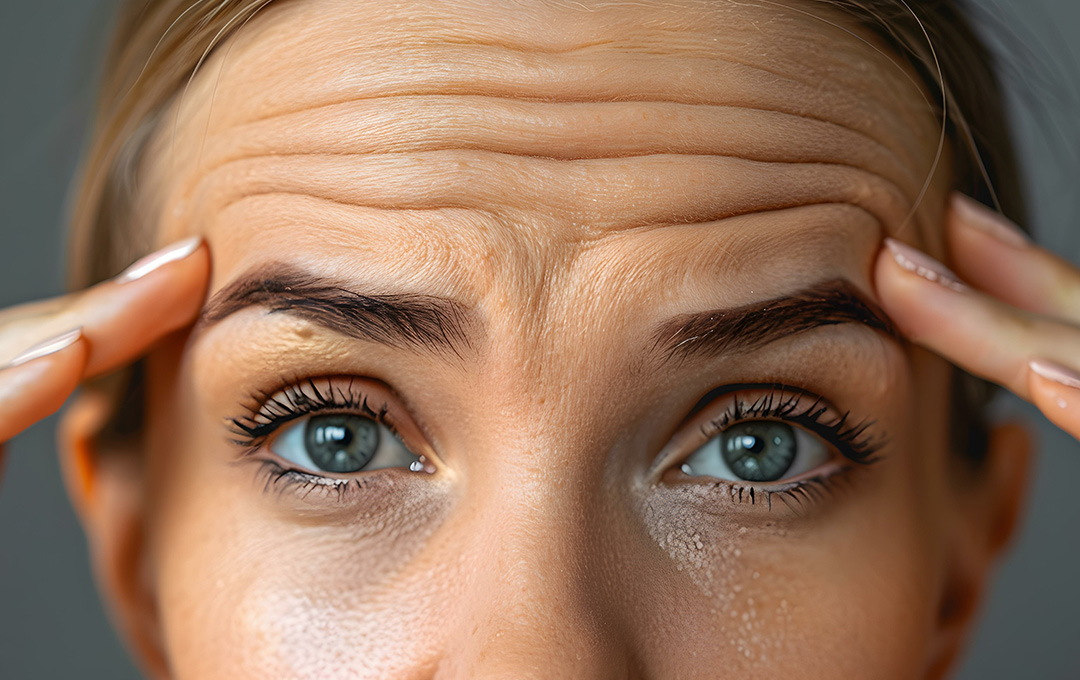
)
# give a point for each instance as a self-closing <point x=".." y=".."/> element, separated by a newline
<point x="534" y="608"/>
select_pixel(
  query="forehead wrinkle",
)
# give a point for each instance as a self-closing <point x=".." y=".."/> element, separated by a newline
<point x="407" y="248"/>
<point x="799" y="93"/>
<point x="758" y="252"/>
<point x="448" y="32"/>
<point x="584" y="197"/>
<point x="821" y="87"/>
<point x="849" y="109"/>
<point x="564" y="131"/>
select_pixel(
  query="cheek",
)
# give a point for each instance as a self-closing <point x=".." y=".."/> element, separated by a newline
<point x="249" y="588"/>
<point x="846" y="592"/>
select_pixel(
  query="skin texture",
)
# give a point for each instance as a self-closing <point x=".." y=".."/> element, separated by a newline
<point x="570" y="175"/>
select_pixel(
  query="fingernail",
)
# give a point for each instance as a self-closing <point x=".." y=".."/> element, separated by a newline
<point x="987" y="221"/>
<point x="48" y="347"/>
<point x="918" y="262"/>
<point x="153" y="261"/>
<point x="1055" y="372"/>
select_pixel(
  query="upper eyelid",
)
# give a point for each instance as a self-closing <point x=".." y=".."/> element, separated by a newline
<point x="261" y="420"/>
<point x="668" y="458"/>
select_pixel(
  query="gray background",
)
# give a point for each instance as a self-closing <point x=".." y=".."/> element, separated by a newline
<point x="51" y="621"/>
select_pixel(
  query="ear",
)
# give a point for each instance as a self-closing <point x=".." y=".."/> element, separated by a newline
<point x="105" y="484"/>
<point x="989" y="505"/>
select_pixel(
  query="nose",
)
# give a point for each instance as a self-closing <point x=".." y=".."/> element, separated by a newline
<point x="537" y="604"/>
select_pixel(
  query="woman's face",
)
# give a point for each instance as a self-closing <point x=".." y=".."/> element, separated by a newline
<point x="541" y="344"/>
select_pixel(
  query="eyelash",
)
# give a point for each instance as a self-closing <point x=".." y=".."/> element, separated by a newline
<point x="852" y="441"/>
<point x="266" y="413"/>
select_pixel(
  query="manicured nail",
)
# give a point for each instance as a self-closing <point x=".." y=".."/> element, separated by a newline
<point x="1055" y="372"/>
<point x="918" y="262"/>
<point x="987" y="221"/>
<point x="48" y="347"/>
<point x="153" y="261"/>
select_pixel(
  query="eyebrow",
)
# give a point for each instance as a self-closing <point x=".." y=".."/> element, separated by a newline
<point x="403" y="320"/>
<point x="746" y="328"/>
<point x="437" y="324"/>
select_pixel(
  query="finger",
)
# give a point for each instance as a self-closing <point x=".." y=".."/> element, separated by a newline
<point x="36" y="384"/>
<point x="971" y="329"/>
<point x="120" y="318"/>
<point x="1055" y="390"/>
<point x="993" y="255"/>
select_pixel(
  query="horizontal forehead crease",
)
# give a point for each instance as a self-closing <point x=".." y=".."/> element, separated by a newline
<point x="720" y="52"/>
<point x="302" y="56"/>
<point x="607" y="119"/>
<point x="564" y="131"/>
<point x="584" y="196"/>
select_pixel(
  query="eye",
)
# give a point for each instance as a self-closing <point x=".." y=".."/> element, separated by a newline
<point x="758" y="451"/>
<point x="769" y="432"/>
<point x="342" y="444"/>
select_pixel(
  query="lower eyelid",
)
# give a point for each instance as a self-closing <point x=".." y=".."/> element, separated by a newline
<point x="799" y="494"/>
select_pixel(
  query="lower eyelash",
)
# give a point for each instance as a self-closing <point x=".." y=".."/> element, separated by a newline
<point x="282" y="479"/>
<point x="796" y="496"/>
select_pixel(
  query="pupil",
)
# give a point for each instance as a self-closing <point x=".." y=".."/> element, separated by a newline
<point x="341" y="443"/>
<point x="759" y="451"/>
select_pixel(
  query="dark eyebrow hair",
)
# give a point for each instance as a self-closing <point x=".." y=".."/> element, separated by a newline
<point x="742" y="329"/>
<point x="439" y="324"/>
<point x="404" y="320"/>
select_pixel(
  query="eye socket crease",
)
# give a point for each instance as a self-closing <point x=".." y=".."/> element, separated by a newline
<point x="439" y="325"/>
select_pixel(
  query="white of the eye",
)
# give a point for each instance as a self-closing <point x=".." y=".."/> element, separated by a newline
<point x="391" y="452"/>
<point x="708" y="461"/>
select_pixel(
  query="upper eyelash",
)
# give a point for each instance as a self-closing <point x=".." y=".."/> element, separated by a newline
<point x="266" y="413"/>
<point x="782" y="402"/>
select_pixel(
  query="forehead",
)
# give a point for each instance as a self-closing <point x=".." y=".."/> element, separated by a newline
<point x="487" y="131"/>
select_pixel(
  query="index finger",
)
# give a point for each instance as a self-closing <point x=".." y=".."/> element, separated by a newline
<point x="120" y="318"/>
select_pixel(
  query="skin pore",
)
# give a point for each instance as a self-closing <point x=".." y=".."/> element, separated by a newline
<point x="570" y="184"/>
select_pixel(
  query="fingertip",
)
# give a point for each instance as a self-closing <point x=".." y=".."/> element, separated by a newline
<point x="36" y="387"/>
<point x="1055" y="391"/>
<point x="166" y="294"/>
<point x="913" y="288"/>
<point x="967" y="214"/>
<point x="156" y="260"/>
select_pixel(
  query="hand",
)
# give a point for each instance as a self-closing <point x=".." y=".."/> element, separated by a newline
<point x="48" y="348"/>
<point x="1015" y="319"/>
